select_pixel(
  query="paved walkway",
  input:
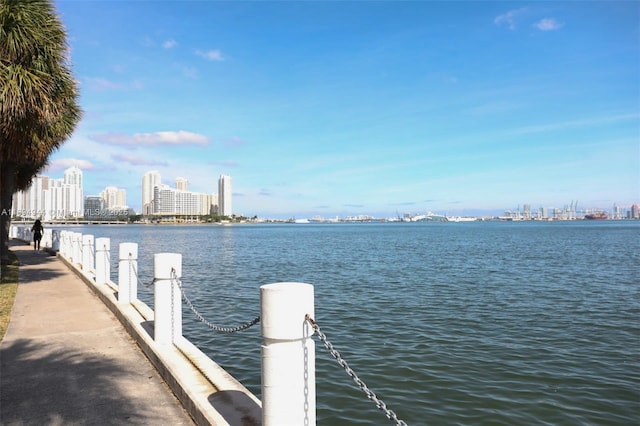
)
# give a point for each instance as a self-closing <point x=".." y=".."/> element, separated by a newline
<point x="66" y="360"/>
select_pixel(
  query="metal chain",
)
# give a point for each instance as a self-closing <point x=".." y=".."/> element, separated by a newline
<point x="207" y="323"/>
<point x="363" y="387"/>
<point x="135" y="272"/>
<point x="108" y="255"/>
<point x="173" y="276"/>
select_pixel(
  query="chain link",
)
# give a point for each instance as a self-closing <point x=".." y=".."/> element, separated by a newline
<point x="363" y="387"/>
<point x="107" y="255"/>
<point x="173" y="277"/>
<point x="203" y="319"/>
<point x="390" y="414"/>
<point x="135" y="272"/>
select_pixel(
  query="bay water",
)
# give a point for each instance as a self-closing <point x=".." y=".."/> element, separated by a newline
<point x="481" y="323"/>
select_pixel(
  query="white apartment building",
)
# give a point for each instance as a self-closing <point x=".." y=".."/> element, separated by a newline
<point x="168" y="201"/>
<point x="182" y="184"/>
<point x="115" y="198"/>
<point x="49" y="198"/>
<point x="224" y="196"/>
<point x="149" y="181"/>
<point x="74" y="201"/>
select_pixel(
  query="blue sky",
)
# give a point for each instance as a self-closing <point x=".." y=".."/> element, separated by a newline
<point x="364" y="107"/>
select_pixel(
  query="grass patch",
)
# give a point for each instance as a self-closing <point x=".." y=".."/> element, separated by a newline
<point x="8" y="289"/>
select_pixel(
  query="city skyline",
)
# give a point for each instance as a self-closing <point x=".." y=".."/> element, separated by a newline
<point x="38" y="201"/>
<point x="346" y="108"/>
<point x="64" y="198"/>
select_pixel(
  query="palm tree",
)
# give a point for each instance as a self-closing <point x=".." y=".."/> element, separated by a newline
<point x="38" y="96"/>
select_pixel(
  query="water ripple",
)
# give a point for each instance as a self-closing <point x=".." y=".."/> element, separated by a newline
<point x="456" y="324"/>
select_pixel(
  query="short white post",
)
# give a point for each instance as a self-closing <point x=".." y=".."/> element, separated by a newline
<point x="55" y="240"/>
<point x="128" y="272"/>
<point x="167" y="269"/>
<point x="76" y="256"/>
<point x="61" y="237"/>
<point x="103" y="260"/>
<point x="288" y="355"/>
<point x="88" y="253"/>
<point x="64" y="243"/>
<point x="46" y="238"/>
<point x="68" y="247"/>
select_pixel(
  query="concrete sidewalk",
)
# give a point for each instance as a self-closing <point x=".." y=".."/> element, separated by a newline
<point x="66" y="360"/>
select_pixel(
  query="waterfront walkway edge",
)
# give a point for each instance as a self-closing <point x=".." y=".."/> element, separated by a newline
<point x="209" y="394"/>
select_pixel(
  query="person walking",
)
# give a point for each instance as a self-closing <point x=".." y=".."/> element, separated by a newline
<point x="37" y="230"/>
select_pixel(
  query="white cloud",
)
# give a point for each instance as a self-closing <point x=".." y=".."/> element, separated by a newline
<point x="65" y="163"/>
<point x="210" y="55"/>
<point x="180" y="137"/>
<point x="509" y="18"/>
<point x="137" y="161"/>
<point x="548" y="24"/>
<point x="168" y="44"/>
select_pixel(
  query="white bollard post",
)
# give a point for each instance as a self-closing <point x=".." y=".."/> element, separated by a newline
<point x="67" y="244"/>
<point x="76" y="256"/>
<point x="69" y="239"/>
<point x="288" y="355"/>
<point x="88" y="253"/>
<point x="128" y="273"/>
<point x="167" y="267"/>
<point x="103" y="260"/>
<point x="25" y="233"/>
<point x="55" y="240"/>
<point x="47" y="238"/>
<point x="63" y="243"/>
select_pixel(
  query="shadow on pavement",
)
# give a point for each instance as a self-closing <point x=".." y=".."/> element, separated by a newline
<point x="45" y="384"/>
<point x="29" y="257"/>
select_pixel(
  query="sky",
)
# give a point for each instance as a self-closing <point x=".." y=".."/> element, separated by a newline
<point x="337" y="108"/>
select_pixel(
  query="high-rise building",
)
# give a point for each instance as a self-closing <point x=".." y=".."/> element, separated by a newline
<point x="121" y="198"/>
<point x="544" y="212"/>
<point x="48" y="198"/>
<point x="173" y="202"/>
<point x="109" y="196"/>
<point x="95" y="208"/>
<point x="182" y="184"/>
<point x="115" y="198"/>
<point x="149" y="181"/>
<point x="224" y="196"/>
<point x="73" y="193"/>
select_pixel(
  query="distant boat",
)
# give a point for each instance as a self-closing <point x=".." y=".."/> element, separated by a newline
<point x="596" y="216"/>
<point x="302" y="221"/>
